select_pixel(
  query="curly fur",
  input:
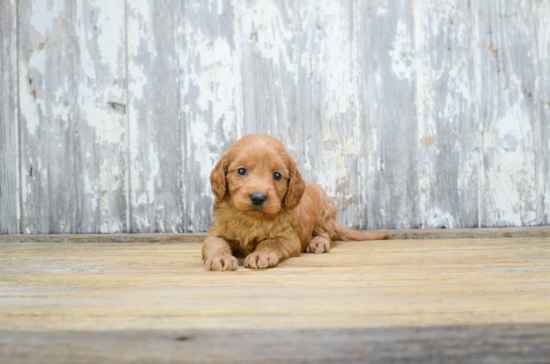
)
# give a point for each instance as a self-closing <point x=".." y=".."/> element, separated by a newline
<point x="296" y="216"/>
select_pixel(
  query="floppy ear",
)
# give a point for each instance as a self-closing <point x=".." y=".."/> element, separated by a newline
<point x="296" y="187"/>
<point x="217" y="177"/>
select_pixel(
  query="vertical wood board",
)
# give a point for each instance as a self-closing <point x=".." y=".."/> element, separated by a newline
<point x="155" y="44"/>
<point x="100" y="75"/>
<point x="509" y="119"/>
<point x="446" y="147"/>
<point x="71" y="92"/>
<point x="48" y="102"/>
<point x="541" y="24"/>
<point x="10" y="213"/>
<point x="387" y="162"/>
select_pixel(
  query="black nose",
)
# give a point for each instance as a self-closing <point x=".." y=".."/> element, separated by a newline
<point x="258" y="198"/>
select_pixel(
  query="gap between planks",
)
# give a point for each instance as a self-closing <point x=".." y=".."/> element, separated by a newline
<point x="474" y="233"/>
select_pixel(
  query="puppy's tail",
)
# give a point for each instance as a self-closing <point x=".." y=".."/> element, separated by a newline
<point x="344" y="234"/>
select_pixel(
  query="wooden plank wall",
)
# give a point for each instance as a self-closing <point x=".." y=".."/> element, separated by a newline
<point x="409" y="114"/>
<point x="10" y="213"/>
<point x="72" y="98"/>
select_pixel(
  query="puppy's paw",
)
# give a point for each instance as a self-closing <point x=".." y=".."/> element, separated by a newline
<point x="221" y="262"/>
<point x="318" y="245"/>
<point x="261" y="260"/>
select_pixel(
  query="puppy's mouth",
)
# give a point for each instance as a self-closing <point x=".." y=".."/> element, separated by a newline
<point x="256" y="211"/>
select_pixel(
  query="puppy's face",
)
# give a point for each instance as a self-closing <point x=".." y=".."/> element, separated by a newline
<point x="258" y="177"/>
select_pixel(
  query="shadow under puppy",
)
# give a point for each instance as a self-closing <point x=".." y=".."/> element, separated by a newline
<point x="265" y="211"/>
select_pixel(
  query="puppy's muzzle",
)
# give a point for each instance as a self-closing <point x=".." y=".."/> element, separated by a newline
<point x="258" y="198"/>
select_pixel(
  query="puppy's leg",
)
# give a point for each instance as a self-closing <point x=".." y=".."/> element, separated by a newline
<point x="217" y="254"/>
<point x="319" y="244"/>
<point x="270" y="251"/>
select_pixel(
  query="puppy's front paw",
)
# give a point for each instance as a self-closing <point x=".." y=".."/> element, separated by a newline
<point x="261" y="260"/>
<point x="221" y="262"/>
<point x="318" y="245"/>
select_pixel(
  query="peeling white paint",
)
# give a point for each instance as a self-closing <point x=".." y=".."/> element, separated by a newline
<point x="334" y="160"/>
<point x="541" y="13"/>
<point x="440" y="219"/>
<point x="263" y="22"/>
<point x="510" y="179"/>
<point x="308" y="55"/>
<point x="110" y="21"/>
<point x="153" y="173"/>
<point x="89" y="192"/>
<point x="43" y="11"/>
<point x="106" y="123"/>
<point x="28" y="107"/>
<point x="138" y="81"/>
<point x="200" y="137"/>
<point x="402" y="59"/>
<point x="216" y="80"/>
<point x="29" y="88"/>
<point x="141" y="7"/>
<point x="381" y="11"/>
<point x="61" y="107"/>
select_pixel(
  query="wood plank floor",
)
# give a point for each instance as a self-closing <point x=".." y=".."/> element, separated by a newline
<point x="452" y="300"/>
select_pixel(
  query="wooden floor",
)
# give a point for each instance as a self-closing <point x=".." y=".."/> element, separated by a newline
<point x="453" y="300"/>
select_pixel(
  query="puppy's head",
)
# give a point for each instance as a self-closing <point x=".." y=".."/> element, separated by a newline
<point x="258" y="177"/>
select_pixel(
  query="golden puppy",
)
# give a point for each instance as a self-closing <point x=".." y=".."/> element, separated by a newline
<point x="265" y="211"/>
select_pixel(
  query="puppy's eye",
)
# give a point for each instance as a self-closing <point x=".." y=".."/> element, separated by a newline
<point x="277" y="176"/>
<point x="241" y="171"/>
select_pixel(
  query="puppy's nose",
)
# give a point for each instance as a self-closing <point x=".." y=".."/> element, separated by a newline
<point x="258" y="198"/>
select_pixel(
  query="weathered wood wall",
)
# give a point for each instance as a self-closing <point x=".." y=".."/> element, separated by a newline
<point x="10" y="213"/>
<point x="411" y="114"/>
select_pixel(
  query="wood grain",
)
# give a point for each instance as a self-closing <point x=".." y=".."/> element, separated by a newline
<point x="503" y="343"/>
<point x="10" y="212"/>
<point x="72" y="98"/>
<point x="541" y="11"/>
<point x="465" y="291"/>
<point x="409" y="114"/>
<point x="360" y="284"/>
<point x="268" y="32"/>
<point x="156" y="120"/>
<point x="509" y="118"/>
<point x="100" y="74"/>
<point x="388" y="161"/>
<point x="447" y="156"/>
<point x="48" y="131"/>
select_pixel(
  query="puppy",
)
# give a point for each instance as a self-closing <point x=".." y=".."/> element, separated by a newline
<point x="265" y="211"/>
